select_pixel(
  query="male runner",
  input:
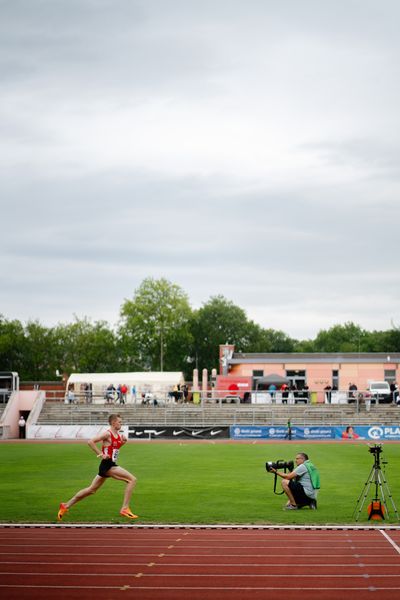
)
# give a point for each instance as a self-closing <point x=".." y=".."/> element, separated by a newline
<point x="112" y="441"/>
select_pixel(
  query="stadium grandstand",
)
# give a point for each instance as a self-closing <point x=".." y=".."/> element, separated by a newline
<point x="164" y="405"/>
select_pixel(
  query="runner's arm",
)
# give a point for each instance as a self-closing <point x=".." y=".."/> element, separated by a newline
<point x="92" y="443"/>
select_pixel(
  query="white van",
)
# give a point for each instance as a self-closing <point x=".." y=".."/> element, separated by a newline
<point x="380" y="392"/>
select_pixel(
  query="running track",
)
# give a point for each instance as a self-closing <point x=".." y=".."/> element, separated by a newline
<point x="194" y="563"/>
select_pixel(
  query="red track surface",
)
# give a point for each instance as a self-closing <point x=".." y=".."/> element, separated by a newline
<point x="198" y="564"/>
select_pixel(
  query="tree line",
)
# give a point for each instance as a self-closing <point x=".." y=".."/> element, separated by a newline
<point x="158" y="330"/>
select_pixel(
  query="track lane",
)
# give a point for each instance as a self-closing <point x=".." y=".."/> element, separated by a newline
<point x="199" y="563"/>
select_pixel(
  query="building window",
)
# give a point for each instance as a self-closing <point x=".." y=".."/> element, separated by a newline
<point x="297" y="378"/>
<point x="335" y="379"/>
<point x="390" y="376"/>
<point x="258" y="373"/>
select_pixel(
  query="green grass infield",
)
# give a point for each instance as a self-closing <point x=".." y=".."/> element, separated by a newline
<point x="196" y="483"/>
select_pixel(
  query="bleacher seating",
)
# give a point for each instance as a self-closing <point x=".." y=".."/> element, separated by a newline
<point x="211" y="415"/>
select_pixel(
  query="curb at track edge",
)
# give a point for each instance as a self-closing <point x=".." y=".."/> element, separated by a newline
<point x="194" y="526"/>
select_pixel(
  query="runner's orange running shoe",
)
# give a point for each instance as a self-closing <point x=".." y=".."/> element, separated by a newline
<point x="62" y="510"/>
<point x="126" y="512"/>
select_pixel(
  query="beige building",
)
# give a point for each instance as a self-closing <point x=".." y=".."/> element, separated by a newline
<point x="316" y="370"/>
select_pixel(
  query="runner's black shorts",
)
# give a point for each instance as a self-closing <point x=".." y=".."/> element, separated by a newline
<point x="299" y="494"/>
<point x="105" y="466"/>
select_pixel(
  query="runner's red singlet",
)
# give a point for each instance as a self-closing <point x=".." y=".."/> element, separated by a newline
<point x="112" y="451"/>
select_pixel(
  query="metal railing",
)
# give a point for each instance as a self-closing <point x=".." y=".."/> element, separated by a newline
<point x="213" y="414"/>
<point x="358" y="398"/>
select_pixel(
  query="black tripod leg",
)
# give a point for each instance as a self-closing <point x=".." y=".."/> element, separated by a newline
<point x="361" y="499"/>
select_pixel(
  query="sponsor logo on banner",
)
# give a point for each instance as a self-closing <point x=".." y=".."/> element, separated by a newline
<point x="248" y="433"/>
<point x="281" y="432"/>
<point x="383" y="432"/>
<point x="316" y="433"/>
<point x="375" y="433"/>
<point x="178" y="433"/>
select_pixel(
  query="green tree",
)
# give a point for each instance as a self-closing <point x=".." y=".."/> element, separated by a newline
<point x="28" y="349"/>
<point x="86" y="347"/>
<point x="268" y="340"/>
<point x="393" y="339"/>
<point x="219" y="321"/>
<point x="12" y="345"/>
<point x="383" y="341"/>
<point x="341" y="338"/>
<point x="154" y="329"/>
<point x="40" y="362"/>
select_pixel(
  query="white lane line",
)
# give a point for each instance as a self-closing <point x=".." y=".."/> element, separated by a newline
<point x="389" y="539"/>
<point x="100" y="564"/>
<point x="195" y="526"/>
<point x="201" y="589"/>
<point x="312" y="545"/>
<point x="208" y="555"/>
<point x="198" y="564"/>
<point x="114" y="555"/>
<point x="214" y="575"/>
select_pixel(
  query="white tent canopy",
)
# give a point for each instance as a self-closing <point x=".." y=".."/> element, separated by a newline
<point x="154" y="382"/>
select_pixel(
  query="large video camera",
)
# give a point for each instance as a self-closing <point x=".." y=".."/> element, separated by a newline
<point x="375" y="449"/>
<point x="286" y="465"/>
<point x="280" y="464"/>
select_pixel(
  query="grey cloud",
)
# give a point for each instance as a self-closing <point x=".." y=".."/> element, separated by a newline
<point x="379" y="156"/>
<point x="273" y="179"/>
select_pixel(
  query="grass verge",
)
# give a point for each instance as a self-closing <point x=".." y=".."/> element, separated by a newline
<point x="202" y="483"/>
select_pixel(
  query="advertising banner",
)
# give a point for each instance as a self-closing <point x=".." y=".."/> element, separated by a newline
<point x="281" y="432"/>
<point x="177" y="433"/>
<point x="371" y="433"/>
<point x="249" y="432"/>
<point x="315" y="433"/>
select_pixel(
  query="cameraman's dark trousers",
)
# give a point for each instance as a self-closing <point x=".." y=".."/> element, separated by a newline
<point x="299" y="495"/>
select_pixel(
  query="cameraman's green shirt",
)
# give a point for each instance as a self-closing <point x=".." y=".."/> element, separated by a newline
<point x="305" y="480"/>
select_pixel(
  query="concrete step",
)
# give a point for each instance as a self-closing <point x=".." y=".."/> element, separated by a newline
<point x="191" y="415"/>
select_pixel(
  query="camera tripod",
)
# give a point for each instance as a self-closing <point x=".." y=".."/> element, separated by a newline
<point x="376" y="477"/>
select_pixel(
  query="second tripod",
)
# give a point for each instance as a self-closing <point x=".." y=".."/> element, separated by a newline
<point x="378" y="507"/>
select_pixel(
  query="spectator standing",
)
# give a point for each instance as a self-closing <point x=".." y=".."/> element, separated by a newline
<point x="87" y="392"/>
<point x="71" y="396"/>
<point x="395" y="392"/>
<point x="124" y="391"/>
<point x="328" y="394"/>
<point x="285" y="393"/>
<point x="306" y="393"/>
<point x="272" y="390"/>
<point x="185" y="393"/>
<point x="22" y="427"/>
<point x="293" y="393"/>
<point x="352" y="389"/>
<point x="289" y="430"/>
<point x="110" y="393"/>
<point x="396" y="397"/>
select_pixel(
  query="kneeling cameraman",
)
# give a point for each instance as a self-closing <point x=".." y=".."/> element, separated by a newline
<point x="301" y="485"/>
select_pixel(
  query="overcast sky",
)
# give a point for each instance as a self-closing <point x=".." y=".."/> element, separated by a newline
<point x="249" y="149"/>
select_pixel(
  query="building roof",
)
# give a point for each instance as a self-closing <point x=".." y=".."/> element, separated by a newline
<point x="314" y="357"/>
<point x="135" y="378"/>
<point x="273" y="378"/>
